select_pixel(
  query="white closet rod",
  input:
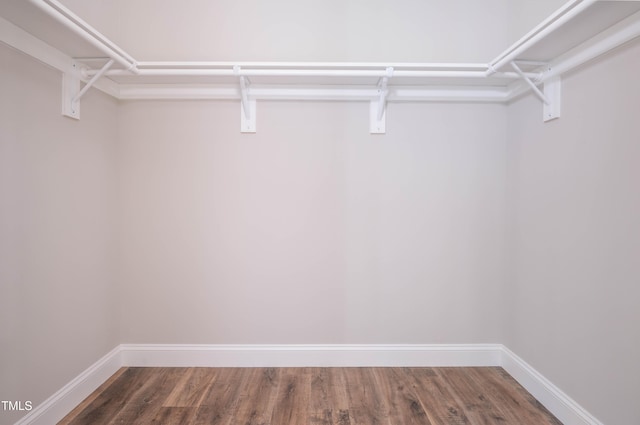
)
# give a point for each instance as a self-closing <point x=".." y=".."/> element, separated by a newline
<point x="177" y="72"/>
<point x="318" y="65"/>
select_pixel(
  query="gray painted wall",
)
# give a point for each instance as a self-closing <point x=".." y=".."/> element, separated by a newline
<point x="575" y="237"/>
<point x="312" y="230"/>
<point x="57" y="232"/>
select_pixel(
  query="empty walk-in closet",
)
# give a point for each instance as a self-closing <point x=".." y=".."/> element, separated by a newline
<point x="406" y="195"/>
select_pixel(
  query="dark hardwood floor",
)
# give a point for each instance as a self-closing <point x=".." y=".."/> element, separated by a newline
<point x="311" y="396"/>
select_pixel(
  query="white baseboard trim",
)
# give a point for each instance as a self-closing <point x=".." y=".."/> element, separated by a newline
<point x="68" y="397"/>
<point x="419" y="355"/>
<point x="550" y="396"/>
<point x="311" y="355"/>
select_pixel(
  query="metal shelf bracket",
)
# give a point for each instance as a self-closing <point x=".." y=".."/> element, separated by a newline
<point x="530" y="83"/>
<point x="247" y="107"/>
<point x="553" y="92"/>
<point x="549" y="95"/>
<point x="71" y="91"/>
<point x="378" y="108"/>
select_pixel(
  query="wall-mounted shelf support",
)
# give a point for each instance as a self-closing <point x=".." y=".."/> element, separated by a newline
<point x="550" y="95"/>
<point x="378" y="108"/>
<point x="92" y="81"/>
<point x="247" y="107"/>
<point x="530" y="83"/>
<point x="71" y="92"/>
<point x="552" y="91"/>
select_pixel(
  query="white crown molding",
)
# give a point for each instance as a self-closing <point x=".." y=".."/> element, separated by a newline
<point x="385" y="355"/>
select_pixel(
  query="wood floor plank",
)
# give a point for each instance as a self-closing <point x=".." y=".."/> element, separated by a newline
<point x="174" y="416"/>
<point x="144" y="405"/>
<point x="378" y="393"/>
<point x="219" y="404"/>
<point x="120" y="394"/>
<point x="257" y="398"/>
<point x="477" y="405"/>
<point x="489" y="387"/>
<point x="292" y="399"/>
<point x="191" y="388"/>
<point x="367" y="405"/>
<point x="437" y="400"/>
<point x="337" y="394"/>
<point x="512" y="398"/>
<point x="100" y="391"/>
<point x="320" y="405"/>
<point x="404" y="404"/>
<point x="311" y="396"/>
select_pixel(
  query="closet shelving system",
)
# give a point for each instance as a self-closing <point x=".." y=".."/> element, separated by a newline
<point x="578" y="32"/>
